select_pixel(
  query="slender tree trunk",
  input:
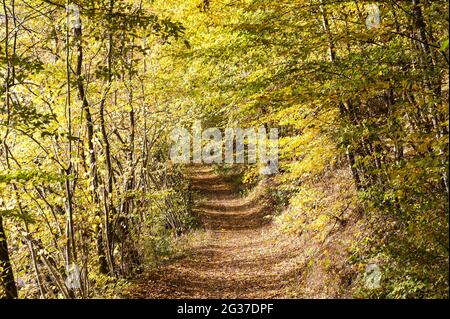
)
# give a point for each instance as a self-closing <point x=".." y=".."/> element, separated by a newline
<point x="6" y="271"/>
<point x="326" y="27"/>
<point x="103" y="265"/>
<point x="332" y="58"/>
<point x="70" y="245"/>
<point x="107" y="192"/>
<point x="34" y="261"/>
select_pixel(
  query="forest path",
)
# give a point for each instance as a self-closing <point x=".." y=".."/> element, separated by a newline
<point x="241" y="257"/>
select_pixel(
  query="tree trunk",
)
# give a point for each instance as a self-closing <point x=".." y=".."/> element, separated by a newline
<point x="6" y="271"/>
<point x="103" y="265"/>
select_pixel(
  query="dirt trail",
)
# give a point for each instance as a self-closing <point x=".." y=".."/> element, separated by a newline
<point x="242" y="258"/>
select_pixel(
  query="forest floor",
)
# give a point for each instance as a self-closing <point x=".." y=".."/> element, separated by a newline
<point x="240" y="258"/>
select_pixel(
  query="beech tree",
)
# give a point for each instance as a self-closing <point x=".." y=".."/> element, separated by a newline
<point x="91" y="91"/>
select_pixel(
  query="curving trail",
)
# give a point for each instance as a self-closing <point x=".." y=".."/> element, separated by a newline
<point x="242" y="258"/>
